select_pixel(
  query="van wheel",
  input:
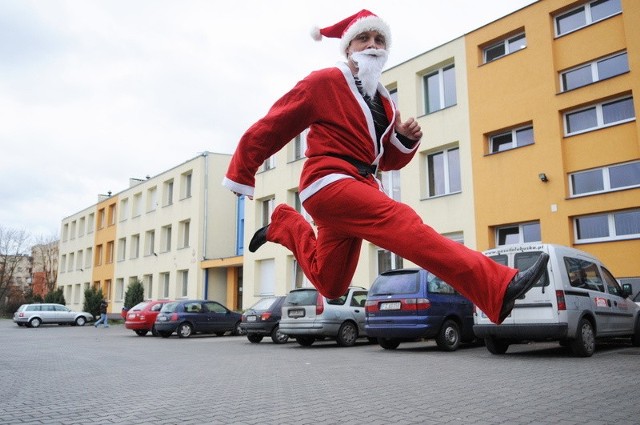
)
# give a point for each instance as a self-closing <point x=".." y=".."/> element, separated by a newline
<point x="347" y="334"/>
<point x="305" y="341"/>
<point x="635" y="338"/>
<point x="448" y="338"/>
<point x="388" y="343"/>
<point x="495" y="345"/>
<point x="585" y="343"/>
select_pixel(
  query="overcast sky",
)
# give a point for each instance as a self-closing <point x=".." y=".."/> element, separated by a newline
<point x="95" y="92"/>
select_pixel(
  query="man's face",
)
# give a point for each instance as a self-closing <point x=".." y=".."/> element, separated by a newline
<point x="366" y="40"/>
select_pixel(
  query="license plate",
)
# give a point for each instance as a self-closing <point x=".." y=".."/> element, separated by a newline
<point x="251" y="318"/>
<point x="390" y="306"/>
<point x="162" y="319"/>
<point x="296" y="313"/>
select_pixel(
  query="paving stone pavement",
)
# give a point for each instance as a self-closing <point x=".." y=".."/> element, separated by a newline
<point x="82" y="375"/>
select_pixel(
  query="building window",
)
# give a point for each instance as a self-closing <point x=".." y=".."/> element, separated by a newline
<point x="119" y="289"/>
<point x="152" y="199"/>
<point x="80" y="260"/>
<point x="518" y="233"/>
<point x="585" y="15"/>
<point x="147" y="284"/>
<point x="387" y="260"/>
<point x="136" y="207"/>
<point x="443" y="172"/>
<point x="595" y="71"/>
<point x="98" y="259"/>
<point x="73" y="230"/>
<point x="124" y="209"/>
<point x="135" y="246"/>
<point x="149" y="242"/>
<point x="269" y="163"/>
<point x="605" y="179"/>
<point x="599" y="116"/>
<point x="167" y="193"/>
<point x="391" y="183"/>
<point x="164" y="284"/>
<point x="122" y="249"/>
<point x="183" y="282"/>
<point x="268" y="205"/>
<point x="102" y="219"/>
<point x="82" y="223"/>
<point x="266" y="277"/>
<point x="111" y="215"/>
<point x="185" y="185"/>
<point x="166" y="239"/>
<point x="300" y="145"/>
<point x="110" y="252"/>
<point x="611" y="226"/>
<point x="299" y="279"/>
<point x="440" y="89"/>
<point x="505" y="47"/>
<point x="88" y="258"/>
<point x="91" y="223"/>
<point x="71" y="262"/>
<point x="393" y="94"/>
<point x="183" y="233"/>
<point x="511" y="139"/>
<point x="63" y="263"/>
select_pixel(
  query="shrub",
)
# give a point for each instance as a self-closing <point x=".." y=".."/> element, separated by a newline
<point x="92" y="299"/>
<point x="134" y="294"/>
<point x="55" y="297"/>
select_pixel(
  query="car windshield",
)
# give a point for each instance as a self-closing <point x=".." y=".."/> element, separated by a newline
<point x="405" y="282"/>
<point x="140" y="306"/>
<point x="263" y="304"/>
<point x="302" y="297"/>
<point x="169" y="308"/>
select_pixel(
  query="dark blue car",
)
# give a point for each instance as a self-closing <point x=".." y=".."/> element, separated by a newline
<point x="187" y="317"/>
<point x="412" y="304"/>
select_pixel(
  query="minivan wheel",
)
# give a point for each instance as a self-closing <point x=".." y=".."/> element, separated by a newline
<point x="347" y="334"/>
<point x="448" y="338"/>
<point x="495" y="345"/>
<point x="185" y="330"/>
<point x="80" y="321"/>
<point x="35" y="322"/>
<point x="278" y="337"/>
<point x="305" y="341"/>
<point x="585" y="342"/>
<point x="388" y="343"/>
<point x="254" y="338"/>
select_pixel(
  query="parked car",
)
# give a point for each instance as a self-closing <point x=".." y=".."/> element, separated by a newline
<point x="187" y="317"/>
<point x="263" y="319"/>
<point x="34" y="315"/>
<point x="141" y="318"/>
<point x="577" y="302"/>
<point x="308" y="316"/>
<point x="413" y="304"/>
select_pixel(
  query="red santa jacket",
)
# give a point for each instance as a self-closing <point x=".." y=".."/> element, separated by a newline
<point x="340" y="124"/>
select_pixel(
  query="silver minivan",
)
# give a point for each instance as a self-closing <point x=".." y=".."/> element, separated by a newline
<point x="33" y="315"/>
<point x="576" y="302"/>
<point x="307" y="316"/>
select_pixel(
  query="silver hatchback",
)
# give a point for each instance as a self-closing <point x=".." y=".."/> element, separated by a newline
<point x="308" y="316"/>
<point x="34" y="315"/>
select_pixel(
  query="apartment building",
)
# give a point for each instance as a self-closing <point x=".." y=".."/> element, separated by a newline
<point x="530" y="135"/>
<point x="553" y="95"/>
<point x="176" y="232"/>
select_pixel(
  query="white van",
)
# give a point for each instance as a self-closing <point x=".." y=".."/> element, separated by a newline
<point x="576" y="302"/>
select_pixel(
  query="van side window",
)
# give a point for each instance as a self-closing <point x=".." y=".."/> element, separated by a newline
<point x="524" y="260"/>
<point x="500" y="259"/>
<point x="583" y="274"/>
<point x="613" y="287"/>
<point x="439" y="286"/>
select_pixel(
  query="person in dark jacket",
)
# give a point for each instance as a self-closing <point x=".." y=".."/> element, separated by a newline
<point x="103" y="314"/>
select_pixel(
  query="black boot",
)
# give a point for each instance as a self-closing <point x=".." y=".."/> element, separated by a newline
<point x="521" y="283"/>
<point x="259" y="238"/>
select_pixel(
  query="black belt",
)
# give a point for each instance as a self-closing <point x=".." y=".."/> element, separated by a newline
<point x="364" y="169"/>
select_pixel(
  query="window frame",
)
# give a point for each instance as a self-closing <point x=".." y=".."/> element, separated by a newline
<point x="600" y="124"/>
<point x="446" y="173"/>
<point x="605" y="178"/>
<point x="506" y="44"/>
<point x="588" y="17"/>
<point x="514" y="139"/>
<point x="595" y="71"/>
<point x="611" y="227"/>
<point x="442" y="89"/>
<point x="521" y="233"/>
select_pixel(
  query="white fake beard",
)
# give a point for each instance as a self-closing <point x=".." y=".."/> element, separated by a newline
<point x="370" y="63"/>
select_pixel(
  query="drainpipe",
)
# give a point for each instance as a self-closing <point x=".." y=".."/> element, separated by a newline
<point x="205" y="222"/>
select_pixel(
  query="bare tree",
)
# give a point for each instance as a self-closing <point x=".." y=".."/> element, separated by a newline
<point x="45" y="260"/>
<point x="13" y="245"/>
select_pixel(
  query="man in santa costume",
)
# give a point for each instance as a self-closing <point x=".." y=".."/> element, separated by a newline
<point x="355" y="130"/>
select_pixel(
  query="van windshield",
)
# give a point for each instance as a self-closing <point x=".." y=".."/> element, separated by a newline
<point x="395" y="283"/>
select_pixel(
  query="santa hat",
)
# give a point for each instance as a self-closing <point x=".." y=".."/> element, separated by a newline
<point x="347" y="29"/>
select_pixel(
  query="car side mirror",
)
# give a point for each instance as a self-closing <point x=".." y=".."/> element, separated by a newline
<point x="627" y="290"/>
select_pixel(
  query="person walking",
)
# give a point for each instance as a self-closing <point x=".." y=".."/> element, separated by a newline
<point x="354" y="131"/>
<point x="103" y="315"/>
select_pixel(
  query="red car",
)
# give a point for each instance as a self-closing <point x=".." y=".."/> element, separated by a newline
<point x="141" y="317"/>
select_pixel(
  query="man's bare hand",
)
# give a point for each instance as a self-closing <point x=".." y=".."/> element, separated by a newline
<point x="410" y="128"/>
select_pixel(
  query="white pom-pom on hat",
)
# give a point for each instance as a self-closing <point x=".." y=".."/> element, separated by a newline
<point x="316" y="34"/>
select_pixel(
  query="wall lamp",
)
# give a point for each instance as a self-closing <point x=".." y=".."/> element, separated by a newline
<point x="543" y="177"/>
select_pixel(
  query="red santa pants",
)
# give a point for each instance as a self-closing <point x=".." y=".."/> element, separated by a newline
<point x="350" y="210"/>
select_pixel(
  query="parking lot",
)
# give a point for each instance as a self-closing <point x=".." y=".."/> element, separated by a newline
<point x="78" y="375"/>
